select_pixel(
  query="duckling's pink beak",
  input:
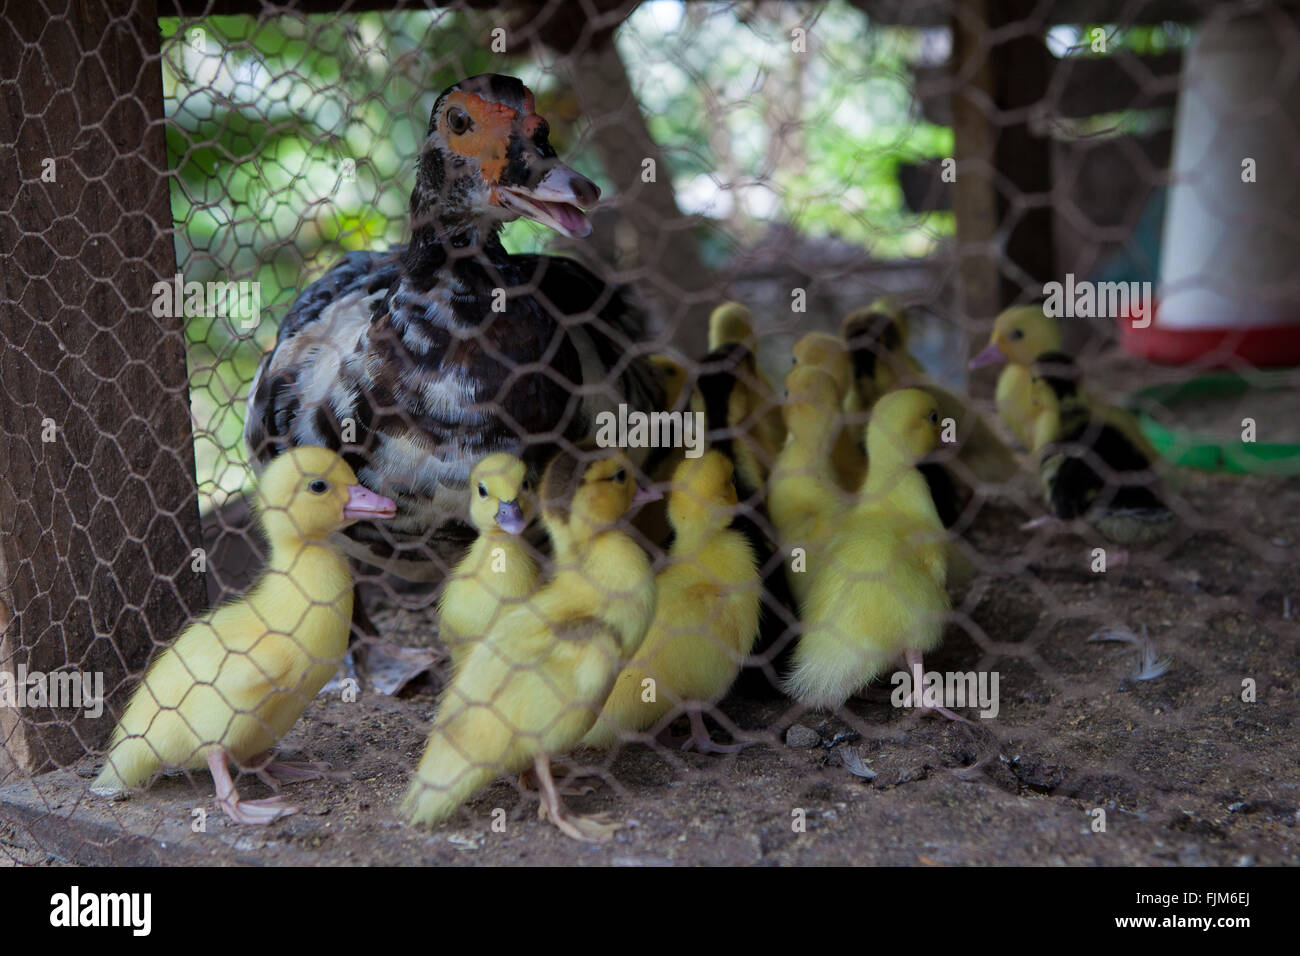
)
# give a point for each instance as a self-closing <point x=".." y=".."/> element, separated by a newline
<point x="364" y="504"/>
<point x="644" y="495"/>
<point x="510" y="517"/>
<point x="992" y="355"/>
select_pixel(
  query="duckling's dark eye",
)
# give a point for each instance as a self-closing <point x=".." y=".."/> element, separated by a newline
<point x="318" y="487"/>
<point x="934" y="418"/>
<point x="1015" y="335"/>
<point x="458" y="121"/>
<point x="620" y="476"/>
<point x="482" y="490"/>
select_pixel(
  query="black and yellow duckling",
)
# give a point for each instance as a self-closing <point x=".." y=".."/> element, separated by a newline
<point x="876" y="337"/>
<point x="1020" y="335"/>
<point x="877" y="340"/>
<point x="1090" y="466"/>
<point x="742" y="409"/>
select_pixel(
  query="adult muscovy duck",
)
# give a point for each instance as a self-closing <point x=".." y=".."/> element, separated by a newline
<point x="418" y="362"/>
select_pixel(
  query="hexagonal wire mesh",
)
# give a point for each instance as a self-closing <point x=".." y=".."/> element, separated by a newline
<point x="340" y="282"/>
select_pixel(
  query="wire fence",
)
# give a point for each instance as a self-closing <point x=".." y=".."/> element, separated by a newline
<point x="456" y="291"/>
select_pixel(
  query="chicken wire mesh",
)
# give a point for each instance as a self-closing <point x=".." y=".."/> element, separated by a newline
<point x="338" y="282"/>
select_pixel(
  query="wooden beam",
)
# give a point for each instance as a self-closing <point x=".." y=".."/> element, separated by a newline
<point x="1097" y="176"/>
<point x="557" y="13"/>
<point x="1079" y="86"/>
<point x="98" y="507"/>
<point x="938" y="13"/>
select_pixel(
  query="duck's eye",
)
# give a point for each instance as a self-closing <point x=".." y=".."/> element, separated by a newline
<point x="319" y="487"/>
<point x="458" y="121"/>
<point x="1015" y="335"/>
<point x="482" y="490"/>
<point x="620" y="476"/>
<point x="934" y="418"/>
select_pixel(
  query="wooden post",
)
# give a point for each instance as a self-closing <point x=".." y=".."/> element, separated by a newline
<point x="974" y="102"/>
<point x="1001" y="70"/>
<point x="98" y="506"/>
<point x="671" y="273"/>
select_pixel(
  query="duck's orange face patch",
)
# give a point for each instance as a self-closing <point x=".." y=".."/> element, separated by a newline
<point x="481" y="129"/>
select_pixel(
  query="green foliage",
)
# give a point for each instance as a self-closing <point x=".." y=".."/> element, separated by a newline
<point x="264" y="115"/>
<point x="762" y="133"/>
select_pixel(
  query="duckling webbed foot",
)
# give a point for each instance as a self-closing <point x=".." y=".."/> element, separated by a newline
<point x="595" y="829"/>
<point x="1050" y="522"/>
<point x="275" y="773"/>
<point x="917" y="668"/>
<point x="248" y="812"/>
<point x="574" y="783"/>
<point x="363" y="632"/>
<point x="701" y="742"/>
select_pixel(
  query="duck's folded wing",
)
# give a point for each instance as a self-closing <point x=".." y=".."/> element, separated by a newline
<point x="324" y="324"/>
<point x="605" y="324"/>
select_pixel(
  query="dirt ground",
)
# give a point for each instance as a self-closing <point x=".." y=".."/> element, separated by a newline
<point x="1185" y="770"/>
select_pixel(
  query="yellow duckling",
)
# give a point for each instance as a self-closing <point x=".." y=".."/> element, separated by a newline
<point x="877" y="340"/>
<point x="673" y="375"/>
<point x="1020" y="335"/>
<point x="878" y="582"/>
<point x="706" y="618"/>
<point x="1089" y="466"/>
<point x="732" y="324"/>
<point x="498" y="571"/>
<point x="235" y="681"/>
<point x="742" y="408"/>
<point x="824" y="351"/>
<point x="804" y="494"/>
<point x="534" y="685"/>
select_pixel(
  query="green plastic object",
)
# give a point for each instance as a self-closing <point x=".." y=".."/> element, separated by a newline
<point x="1187" y="449"/>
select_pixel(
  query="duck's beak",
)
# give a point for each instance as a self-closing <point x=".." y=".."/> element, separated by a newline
<point x="557" y="200"/>
<point x="363" y="504"/>
<point x="992" y="355"/>
<point x="510" y="517"/>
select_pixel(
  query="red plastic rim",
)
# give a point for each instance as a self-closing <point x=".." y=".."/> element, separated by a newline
<point x="1265" y="346"/>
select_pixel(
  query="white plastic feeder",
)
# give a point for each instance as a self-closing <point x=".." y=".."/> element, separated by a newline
<point x="1230" y="263"/>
